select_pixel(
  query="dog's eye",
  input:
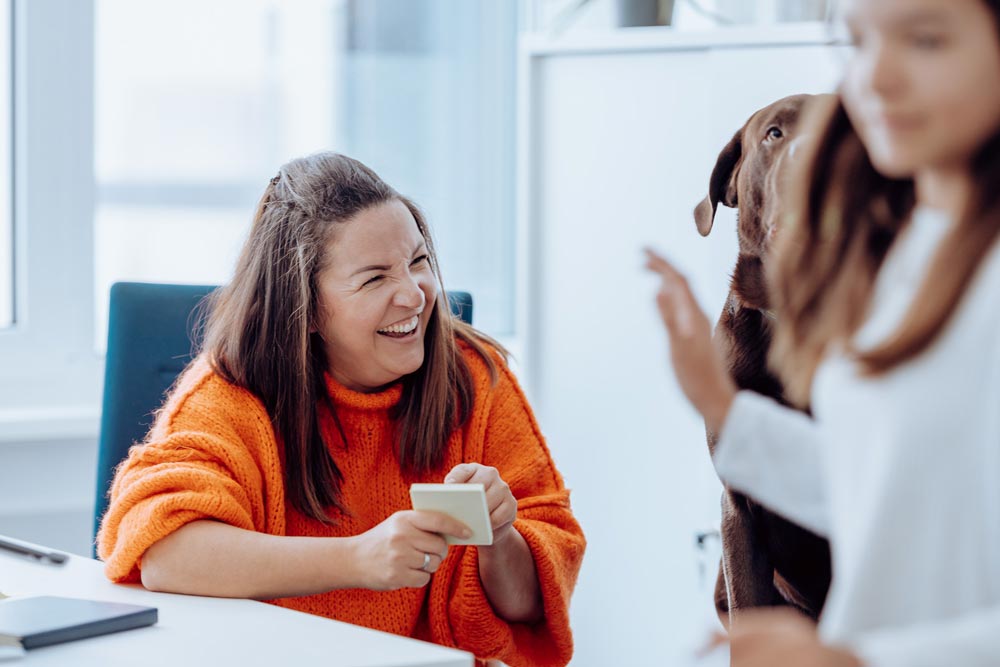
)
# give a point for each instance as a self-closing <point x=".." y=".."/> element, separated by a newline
<point x="774" y="132"/>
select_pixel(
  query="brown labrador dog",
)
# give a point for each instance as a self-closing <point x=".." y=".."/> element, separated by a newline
<point x="766" y="560"/>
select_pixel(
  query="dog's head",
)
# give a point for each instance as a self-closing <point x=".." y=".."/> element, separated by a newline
<point x="746" y="174"/>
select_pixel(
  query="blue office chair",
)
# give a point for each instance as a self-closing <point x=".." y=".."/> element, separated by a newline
<point x="150" y="341"/>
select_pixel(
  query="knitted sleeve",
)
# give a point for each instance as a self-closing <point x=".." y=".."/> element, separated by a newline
<point x="205" y="458"/>
<point x="460" y="614"/>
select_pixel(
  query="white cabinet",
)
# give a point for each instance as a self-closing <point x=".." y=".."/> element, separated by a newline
<point x="618" y="137"/>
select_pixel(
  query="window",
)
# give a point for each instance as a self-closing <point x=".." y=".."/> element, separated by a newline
<point x="144" y="133"/>
<point x="49" y="374"/>
<point x="197" y="104"/>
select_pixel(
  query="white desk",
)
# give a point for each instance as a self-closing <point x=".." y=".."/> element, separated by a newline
<point x="193" y="631"/>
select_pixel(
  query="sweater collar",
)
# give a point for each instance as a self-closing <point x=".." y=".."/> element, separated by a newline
<point x="343" y="397"/>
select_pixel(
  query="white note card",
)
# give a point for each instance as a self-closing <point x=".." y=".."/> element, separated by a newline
<point x="465" y="502"/>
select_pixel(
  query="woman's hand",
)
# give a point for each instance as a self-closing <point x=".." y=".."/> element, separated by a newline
<point x="500" y="502"/>
<point x="392" y="554"/>
<point x="769" y="637"/>
<point x="506" y="568"/>
<point x="700" y="370"/>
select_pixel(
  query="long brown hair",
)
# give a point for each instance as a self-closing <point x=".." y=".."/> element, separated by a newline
<point x="840" y="219"/>
<point x="258" y="336"/>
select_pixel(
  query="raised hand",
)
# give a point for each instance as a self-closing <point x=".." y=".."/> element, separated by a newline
<point x="700" y="370"/>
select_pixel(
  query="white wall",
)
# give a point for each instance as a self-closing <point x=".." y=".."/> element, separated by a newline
<point x="47" y="492"/>
<point x="622" y="138"/>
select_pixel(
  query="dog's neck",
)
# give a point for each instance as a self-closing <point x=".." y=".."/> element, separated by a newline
<point x="748" y="286"/>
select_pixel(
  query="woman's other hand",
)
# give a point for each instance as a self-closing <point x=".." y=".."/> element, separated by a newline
<point x="769" y="637"/>
<point x="506" y="568"/>
<point x="500" y="502"/>
<point x="699" y="368"/>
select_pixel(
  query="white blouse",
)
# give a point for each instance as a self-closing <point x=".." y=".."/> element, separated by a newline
<point x="901" y="472"/>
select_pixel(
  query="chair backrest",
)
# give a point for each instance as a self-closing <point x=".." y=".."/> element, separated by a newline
<point x="150" y="341"/>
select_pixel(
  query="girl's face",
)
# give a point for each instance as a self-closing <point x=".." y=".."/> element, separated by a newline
<point x="376" y="294"/>
<point x="923" y="84"/>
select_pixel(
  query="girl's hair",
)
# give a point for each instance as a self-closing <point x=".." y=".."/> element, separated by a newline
<point x="257" y="334"/>
<point x="841" y="217"/>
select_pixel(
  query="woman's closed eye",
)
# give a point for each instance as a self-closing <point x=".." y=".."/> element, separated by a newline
<point x="376" y="279"/>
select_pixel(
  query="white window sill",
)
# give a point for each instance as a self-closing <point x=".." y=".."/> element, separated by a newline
<point x="49" y="423"/>
<point x="82" y="422"/>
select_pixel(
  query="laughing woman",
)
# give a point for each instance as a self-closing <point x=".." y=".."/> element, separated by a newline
<point x="887" y="283"/>
<point x="331" y="377"/>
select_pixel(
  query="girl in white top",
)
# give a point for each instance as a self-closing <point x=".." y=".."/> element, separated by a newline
<point x="886" y="278"/>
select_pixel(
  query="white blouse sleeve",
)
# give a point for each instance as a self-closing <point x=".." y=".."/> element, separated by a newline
<point x="773" y="454"/>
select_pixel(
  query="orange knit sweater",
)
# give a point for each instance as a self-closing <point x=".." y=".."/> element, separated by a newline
<point x="212" y="454"/>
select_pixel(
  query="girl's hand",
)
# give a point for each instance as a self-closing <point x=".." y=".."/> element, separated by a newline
<point x="769" y="637"/>
<point x="392" y="554"/>
<point x="500" y="502"/>
<point x="700" y="370"/>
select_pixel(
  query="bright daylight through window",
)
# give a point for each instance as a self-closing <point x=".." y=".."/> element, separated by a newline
<point x="193" y="117"/>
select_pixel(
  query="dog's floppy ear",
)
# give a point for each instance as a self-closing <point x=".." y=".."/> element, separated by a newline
<point x="722" y="185"/>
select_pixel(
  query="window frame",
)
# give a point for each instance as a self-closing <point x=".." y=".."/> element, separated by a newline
<point x="6" y="168"/>
<point x="51" y="375"/>
<point x="51" y="369"/>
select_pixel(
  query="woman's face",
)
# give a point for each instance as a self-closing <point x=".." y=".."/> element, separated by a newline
<point x="376" y="294"/>
<point x="923" y="84"/>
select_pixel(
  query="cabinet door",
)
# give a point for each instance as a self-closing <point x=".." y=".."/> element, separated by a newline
<point x="624" y="144"/>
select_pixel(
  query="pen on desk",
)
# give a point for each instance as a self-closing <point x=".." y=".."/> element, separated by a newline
<point x="53" y="557"/>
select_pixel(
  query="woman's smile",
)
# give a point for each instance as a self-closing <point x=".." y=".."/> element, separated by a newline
<point x="402" y="330"/>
